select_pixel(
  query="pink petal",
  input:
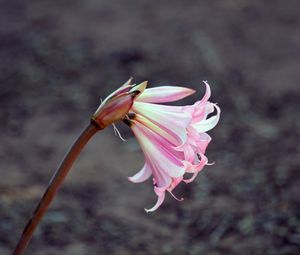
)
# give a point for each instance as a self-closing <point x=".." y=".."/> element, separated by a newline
<point x="208" y="124"/>
<point x="159" y="155"/>
<point x="196" y="168"/>
<point x="207" y="93"/>
<point x="202" y="142"/>
<point x="155" y="128"/>
<point x="174" y="122"/>
<point x="161" y="197"/>
<point x="165" y="94"/>
<point x="189" y="153"/>
<point x="142" y="175"/>
<point x="200" y="110"/>
<point x="160" y="178"/>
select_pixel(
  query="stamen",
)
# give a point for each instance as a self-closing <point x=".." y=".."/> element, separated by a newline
<point x="117" y="132"/>
<point x="178" y="199"/>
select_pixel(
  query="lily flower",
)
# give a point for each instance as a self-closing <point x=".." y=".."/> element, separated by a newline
<point x="173" y="138"/>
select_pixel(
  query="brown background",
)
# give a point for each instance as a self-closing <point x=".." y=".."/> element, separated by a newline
<point x="57" y="58"/>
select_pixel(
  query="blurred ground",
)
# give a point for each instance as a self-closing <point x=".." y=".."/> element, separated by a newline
<point x="59" y="57"/>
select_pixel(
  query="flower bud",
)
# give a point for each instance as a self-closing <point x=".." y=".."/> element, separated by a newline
<point x="117" y="105"/>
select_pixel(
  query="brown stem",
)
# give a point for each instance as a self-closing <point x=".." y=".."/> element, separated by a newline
<point x="53" y="186"/>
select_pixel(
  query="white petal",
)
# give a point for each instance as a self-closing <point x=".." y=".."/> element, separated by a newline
<point x="208" y="124"/>
<point x="142" y="175"/>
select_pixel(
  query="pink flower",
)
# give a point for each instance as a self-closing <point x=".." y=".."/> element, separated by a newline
<point x="173" y="138"/>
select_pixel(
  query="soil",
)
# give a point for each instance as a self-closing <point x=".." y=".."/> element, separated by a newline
<point x="59" y="57"/>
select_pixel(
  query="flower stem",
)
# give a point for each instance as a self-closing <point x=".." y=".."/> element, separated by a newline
<point x="53" y="186"/>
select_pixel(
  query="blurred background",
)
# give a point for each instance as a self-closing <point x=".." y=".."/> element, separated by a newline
<point x="57" y="58"/>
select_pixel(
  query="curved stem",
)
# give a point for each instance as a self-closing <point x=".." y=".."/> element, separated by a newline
<point x="53" y="186"/>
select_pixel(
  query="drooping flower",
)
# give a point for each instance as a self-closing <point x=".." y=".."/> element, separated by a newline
<point x="173" y="138"/>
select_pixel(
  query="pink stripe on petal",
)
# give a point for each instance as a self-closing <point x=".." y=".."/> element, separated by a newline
<point x="153" y="142"/>
<point x="165" y="94"/>
<point x="160" y="178"/>
<point x="157" y="129"/>
<point x="189" y="153"/>
<point x="168" y="108"/>
<point x="164" y="159"/>
<point x="156" y="161"/>
<point x="159" y="151"/>
<point x="163" y="109"/>
<point x="175" y="123"/>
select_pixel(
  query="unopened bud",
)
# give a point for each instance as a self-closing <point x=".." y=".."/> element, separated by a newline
<point x="117" y="105"/>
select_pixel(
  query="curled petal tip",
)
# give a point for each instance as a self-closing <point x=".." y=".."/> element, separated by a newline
<point x="209" y="123"/>
<point x="141" y="176"/>
<point x="207" y="93"/>
<point x="160" y="192"/>
<point x="210" y="164"/>
<point x="130" y="179"/>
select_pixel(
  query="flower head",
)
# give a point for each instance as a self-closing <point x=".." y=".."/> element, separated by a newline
<point x="173" y="138"/>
